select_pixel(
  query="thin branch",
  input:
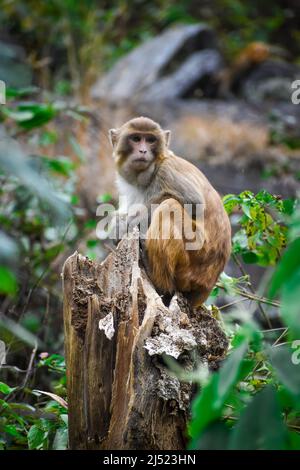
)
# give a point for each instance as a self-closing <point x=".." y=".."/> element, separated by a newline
<point x="273" y="345"/>
<point x="30" y="366"/>
<point x="13" y="394"/>
<point x="251" y="296"/>
<point x="232" y="303"/>
<point x="262" y="311"/>
<point x="280" y="337"/>
<point x="273" y="329"/>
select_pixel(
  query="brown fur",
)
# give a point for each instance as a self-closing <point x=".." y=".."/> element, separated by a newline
<point x="171" y="182"/>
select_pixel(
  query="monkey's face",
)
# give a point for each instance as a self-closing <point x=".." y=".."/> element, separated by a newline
<point x="138" y="145"/>
<point x="135" y="152"/>
<point x="142" y="150"/>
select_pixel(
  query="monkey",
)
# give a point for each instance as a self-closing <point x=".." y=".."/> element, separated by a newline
<point x="172" y="193"/>
<point x="251" y="56"/>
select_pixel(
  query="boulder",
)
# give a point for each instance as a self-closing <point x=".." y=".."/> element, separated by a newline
<point x="170" y="60"/>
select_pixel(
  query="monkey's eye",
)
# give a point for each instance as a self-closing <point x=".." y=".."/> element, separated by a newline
<point x="151" y="139"/>
<point x="135" y="138"/>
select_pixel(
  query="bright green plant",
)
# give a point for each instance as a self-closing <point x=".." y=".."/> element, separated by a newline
<point x="42" y="424"/>
<point x="263" y="232"/>
<point x="252" y="402"/>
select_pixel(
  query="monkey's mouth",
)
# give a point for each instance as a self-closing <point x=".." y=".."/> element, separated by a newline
<point x="140" y="163"/>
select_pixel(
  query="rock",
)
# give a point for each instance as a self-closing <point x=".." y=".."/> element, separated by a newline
<point x="191" y="77"/>
<point x="270" y="81"/>
<point x="157" y="59"/>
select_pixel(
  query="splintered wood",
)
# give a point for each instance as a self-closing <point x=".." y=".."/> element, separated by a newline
<point x="119" y="341"/>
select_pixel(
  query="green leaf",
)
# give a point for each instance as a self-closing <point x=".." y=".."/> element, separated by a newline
<point x="103" y="198"/>
<point x="41" y="114"/>
<point x="207" y="406"/>
<point x="229" y="373"/>
<point x="6" y="389"/>
<point x="61" y="165"/>
<point x="18" y="116"/>
<point x="92" y="243"/>
<point x="47" y="138"/>
<point x="202" y="409"/>
<point x="214" y="437"/>
<point x="288" y="265"/>
<point x="260" y="425"/>
<point x="287" y="372"/>
<point x="250" y="257"/>
<point x="230" y="202"/>
<point x="64" y="418"/>
<point x="294" y="441"/>
<point x="248" y="332"/>
<point x="8" y="282"/>
<point x="288" y="206"/>
<point x="35" y="437"/>
<point x="290" y="308"/>
<point x="61" y="439"/>
<point x="21" y="92"/>
<point x="246" y="207"/>
<point x="12" y="430"/>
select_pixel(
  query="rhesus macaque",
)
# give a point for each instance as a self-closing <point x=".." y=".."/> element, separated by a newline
<point x="249" y="57"/>
<point x="184" y="206"/>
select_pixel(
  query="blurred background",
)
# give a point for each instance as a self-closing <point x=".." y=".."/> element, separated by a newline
<point x="218" y="73"/>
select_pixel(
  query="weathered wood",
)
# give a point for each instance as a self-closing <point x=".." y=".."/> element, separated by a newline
<point x="117" y="334"/>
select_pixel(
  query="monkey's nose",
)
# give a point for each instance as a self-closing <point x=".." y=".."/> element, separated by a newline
<point x="143" y="152"/>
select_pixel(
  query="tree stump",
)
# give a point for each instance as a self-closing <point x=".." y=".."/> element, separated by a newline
<point x="118" y="334"/>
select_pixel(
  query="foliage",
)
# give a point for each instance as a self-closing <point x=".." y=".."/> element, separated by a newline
<point x="263" y="232"/>
<point x="85" y="38"/>
<point x="41" y="426"/>
<point x="36" y="210"/>
<point x="40" y="218"/>
<point x="87" y="35"/>
<point x="252" y="402"/>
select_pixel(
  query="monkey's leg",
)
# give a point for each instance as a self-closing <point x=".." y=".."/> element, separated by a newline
<point x="165" y="245"/>
<point x="196" y="298"/>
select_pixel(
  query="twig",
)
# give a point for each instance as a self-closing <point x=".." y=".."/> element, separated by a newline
<point x="280" y="337"/>
<point x="43" y="273"/>
<point x="263" y="313"/>
<point x="251" y="296"/>
<point x="232" y="303"/>
<point x="12" y="395"/>
<point x="273" y="329"/>
<point x="29" y="368"/>
<point x="273" y="345"/>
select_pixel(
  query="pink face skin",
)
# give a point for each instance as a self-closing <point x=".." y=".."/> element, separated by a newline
<point x="143" y="149"/>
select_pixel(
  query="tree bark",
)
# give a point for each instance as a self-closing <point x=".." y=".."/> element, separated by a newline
<point x="119" y="338"/>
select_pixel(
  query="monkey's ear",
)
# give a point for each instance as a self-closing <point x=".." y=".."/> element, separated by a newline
<point x="113" y="134"/>
<point x="167" y="137"/>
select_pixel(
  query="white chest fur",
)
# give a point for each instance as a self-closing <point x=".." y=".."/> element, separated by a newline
<point x="128" y="195"/>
